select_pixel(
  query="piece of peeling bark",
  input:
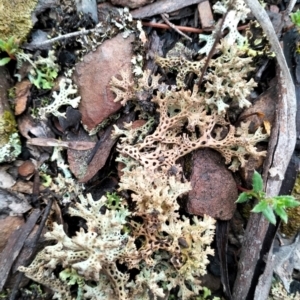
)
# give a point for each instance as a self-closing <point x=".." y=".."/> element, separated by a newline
<point x="263" y="287"/>
<point x="205" y="15"/>
<point x="161" y="7"/>
<point x="280" y="149"/>
<point x="78" y="160"/>
<point x="222" y="231"/>
<point x="131" y="3"/>
<point x="76" y="145"/>
<point x="22" y="94"/>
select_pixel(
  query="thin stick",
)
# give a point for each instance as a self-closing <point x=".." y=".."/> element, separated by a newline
<point x="60" y="38"/>
<point x="185" y="28"/>
<point x="218" y="35"/>
<point x="290" y="7"/>
<point x="174" y="27"/>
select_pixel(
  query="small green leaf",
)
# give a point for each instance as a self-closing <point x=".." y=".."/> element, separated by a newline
<point x="4" y="61"/>
<point x="269" y="214"/>
<point x="295" y="17"/>
<point x="243" y="197"/>
<point x="11" y="41"/>
<point x="287" y="201"/>
<point x="261" y="206"/>
<point x="280" y="212"/>
<point x="2" y="45"/>
<point x="257" y="182"/>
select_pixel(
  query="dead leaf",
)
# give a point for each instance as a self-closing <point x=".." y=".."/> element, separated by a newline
<point x="6" y="180"/>
<point x="22" y="93"/>
<point x="26" y="125"/>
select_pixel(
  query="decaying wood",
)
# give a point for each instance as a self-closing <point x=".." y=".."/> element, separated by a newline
<point x="263" y="288"/>
<point x="161" y="7"/>
<point x="281" y="147"/>
<point x="33" y="245"/>
<point x="222" y="243"/>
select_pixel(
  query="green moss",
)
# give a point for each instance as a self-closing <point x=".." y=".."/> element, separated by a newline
<point x="293" y="225"/>
<point x="11" y="93"/>
<point x="10" y="146"/>
<point x="8" y="126"/>
<point x="15" y="18"/>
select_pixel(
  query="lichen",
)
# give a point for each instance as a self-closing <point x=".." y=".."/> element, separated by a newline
<point x="226" y="82"/>
<point x="145" y="248"/>
<point x="278" y="292"/>
<point x="10" y="145"/>
<point x="94" y="253"/>
<point x="63" y="97"/>
<point x="237" y="11"/>
<point x="44" y="69"/>
<point x="167" y="143"/>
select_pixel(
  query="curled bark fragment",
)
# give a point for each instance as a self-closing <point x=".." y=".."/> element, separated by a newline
<point x="281" y="147"/>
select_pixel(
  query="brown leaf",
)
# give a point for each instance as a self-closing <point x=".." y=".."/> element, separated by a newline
<point x="22" y="93"/>
<point x="97" y="99"/>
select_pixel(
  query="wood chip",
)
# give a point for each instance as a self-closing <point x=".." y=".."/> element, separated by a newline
<point x="205" y="15"/>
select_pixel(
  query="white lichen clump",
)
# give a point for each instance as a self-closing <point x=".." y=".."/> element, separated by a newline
<point x="237" y="11"/>
<point x="63" y="97"/>
<point x="10" y="150"/>
<point x="148" y="250"/>
<point x="168" y="253"/>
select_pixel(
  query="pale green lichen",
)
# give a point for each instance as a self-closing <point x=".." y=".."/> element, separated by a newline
<point x="11" y="150"/>
<point x="278" y="292"/>
<point x="226" y="79"/>
<point x="94" y="253"/>
<point x="10" y="145"/>
<point x="237" y="11"/>
<point x="44" y="69"/>
<point x="65" y="96"/>
<point x="148" y="250"/>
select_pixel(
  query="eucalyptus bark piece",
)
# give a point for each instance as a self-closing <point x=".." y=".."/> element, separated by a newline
<point x="281" y="147"/>
<point x="161" y="7"/>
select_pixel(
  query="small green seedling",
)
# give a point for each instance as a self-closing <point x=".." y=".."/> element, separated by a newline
<point x="268" y="206"/>
<point x="10" y="47"/>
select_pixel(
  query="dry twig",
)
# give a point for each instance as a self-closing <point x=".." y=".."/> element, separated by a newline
<point x="174" y="27"/>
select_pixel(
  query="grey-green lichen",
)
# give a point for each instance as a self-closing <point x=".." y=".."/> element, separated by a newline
<point x="168" y="251"/>
<point x="44" y="69"/>
<point x="226" y="78"/>
<point x="278" y="292"/>
<point x="65" y="96"/>
<point x="237" y="11"/>
<point x="148" y="250"/>
<point x="10" y="145"/>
